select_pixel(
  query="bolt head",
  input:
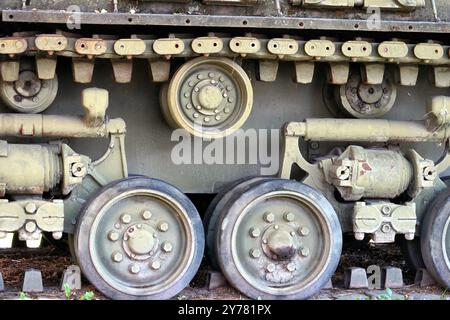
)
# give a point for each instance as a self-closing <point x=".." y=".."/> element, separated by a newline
<point x="289" y="216"/>
<point x="156" y="265"/>
<point x="269" y="217"/>
<point x="270" y="267"/>
<point x="134" y="268"/>
<point x="117" y="256"/>
<point x="125" y="218"/>
<point x="30" y="226"/>
<point x="385" y="228"/>
<point x="386" y="210"/>
<point x="290" y="267"/>
<point x="304" y="252"/>
<point x="276" y="227"/>
<point x="146" y="215"/>
<point x="303" y="231"/>
<point x="30" y="207"/>
<point x="113" y="236"/>
<point x="167" y="246"/>
<point x="409" y="236"/>
<point x="255" y="253"/>
<point x="254" y="232"/>
<point x="163" y="226"/>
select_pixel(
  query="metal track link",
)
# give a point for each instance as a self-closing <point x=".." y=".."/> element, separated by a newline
<point x="303" y="53"/>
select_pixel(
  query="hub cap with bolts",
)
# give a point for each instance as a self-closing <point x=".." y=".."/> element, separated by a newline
<point x="296" y="249"/>
<point x="29" y="94"/>
<point x="360" y="100"/>
<point x="136" y="253"/>
<point x="209" y="97"/>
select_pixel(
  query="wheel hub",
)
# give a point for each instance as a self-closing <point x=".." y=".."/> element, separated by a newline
<point x="210" y="97"/>
<point x="280" y="244"/>
<point x="28" y="84"/>
<point x="140" y="241"/>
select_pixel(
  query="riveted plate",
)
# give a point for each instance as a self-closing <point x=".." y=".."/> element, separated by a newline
<point x="12" y="45"/>
<point x="129" y="47"/>
<point x="244" y="45"/>
<point x="393" y="49"/>
<point x="205" y="45"/>
<point x="356" y="49"/>
<point x="429" y="51"/>
<point x="282" y="46"/>
<point x="320" y="48"/>
<point x="90" y="46"/>
<point x="168" y="46"/>
<point x="50" y="42"/>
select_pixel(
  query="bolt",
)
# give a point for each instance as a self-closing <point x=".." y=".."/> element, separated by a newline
<point x="186" y="94"/>
<point x="156" y="265"/>
<point x="304" y="252"/>
<point x="303" y="231"/>
<point x="196" y="115"/>
<point x="163" y="226"/>
<point x="211" y="74"/>
<point x="226" y="110"/>
<point x="217" y="118"/>
<point x="255" y="253"/>
<point x="265" y="241"/>
<point x="167" y="246"/>
<point x="191" y="84"/>
<point x="213" y="81"/>
<point x="276" y="227"/>
<point x="189" y="106"/>
<point x="134" y="268"/>
<point x="292" y="233"/>
<point x="199" y="76"/>
<point x="30" y="207"/>
<point x="35" y="99"/>
<point x="113" y="236"/>
<point x="206" y="119"/>
<point x="198" y="107"/>
<point x="269" y="217"/>
<point x="254" y="232"/>
<point x="224" y="95"/>
<point x="117" y="226"/>
<point x="290" y="266"/>
<point x="385" y="228"/>
<point x="30" y="226"/>
<point x="196" y="89"/>
<point x="314" y="145"/>
<point x="117" y="256"/>
<point x="289" y="216"/>
<point x="221" y="79"/>
<point x="228" y="88"/>
<point x="230" y="100"/>
<point x="386" y="210"/>
<point x="270" y="267"/>
<point x="126" y="218"/>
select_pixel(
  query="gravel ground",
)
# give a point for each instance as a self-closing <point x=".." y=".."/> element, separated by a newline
<point x="53" y="260"/>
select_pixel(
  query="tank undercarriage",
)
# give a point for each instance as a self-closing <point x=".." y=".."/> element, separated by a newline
<point x="364" y="143"/>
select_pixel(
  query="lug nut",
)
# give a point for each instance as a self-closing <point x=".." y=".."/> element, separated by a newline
<point x="156" y="265"/>
<point x="254" y="232"/>
<point x="134" y="268"/>
<point x="163" y="226"/>
<point x="276" y="227"/>
<point x="270" y="267"/>
<point x="255" y="253"/>
<point x="292" y="233"/>
<point x="146" y="214"/>
<point x="290" y="267"/>
<point x="166" y="246"/>
<point x="30" y="226"/>
<point x="125" y="218"/>
<point x="113" y="236"/>
<point x="269" y="217"/>
<point x="289" y="216"/>
<point x="303" y="231"/>
<point x="304" y="252"/>
<point x="117" y="256"/>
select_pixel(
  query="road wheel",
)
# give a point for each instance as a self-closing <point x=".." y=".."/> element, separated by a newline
<point x="139" y="238"/>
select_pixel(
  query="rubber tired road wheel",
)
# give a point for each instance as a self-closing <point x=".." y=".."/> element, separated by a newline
<point x="279" y="239"/>
<point x="139" y="238"/>
<point x="216" y="208"/>
<point x="435" y="239"/>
